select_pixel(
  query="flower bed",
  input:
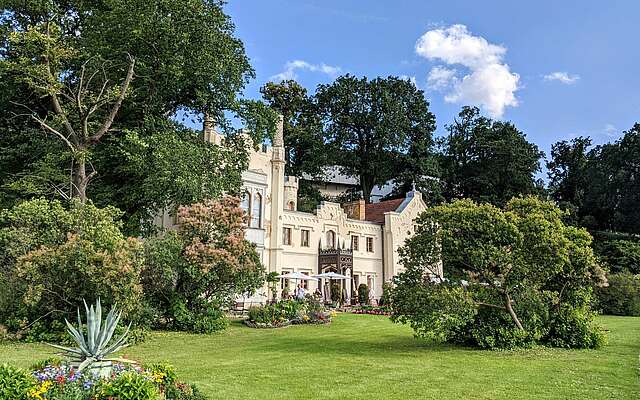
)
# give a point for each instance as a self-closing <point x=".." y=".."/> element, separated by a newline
<point x="371" y="310"/>
<point x="286" y="312"/>
<point x="58" y="381"/>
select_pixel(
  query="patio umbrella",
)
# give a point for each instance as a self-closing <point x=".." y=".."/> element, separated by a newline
<point x="297" y="276"/>
<point x="331" y="276"/>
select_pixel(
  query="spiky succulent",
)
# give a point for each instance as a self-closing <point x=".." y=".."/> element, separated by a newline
<point x="98" y="347"/>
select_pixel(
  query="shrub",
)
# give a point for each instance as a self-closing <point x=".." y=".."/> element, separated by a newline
<point x="363" y="294"/>
<point x="308" y="311"/>
<point x="53" y="257"/>
<point x="619" y="255"/>
<point x="518" y="277"/>
<point x="15" y="383"/>
<point x="130" y="386"/>
<point x="154" y="382"/>
<point x="621" y="296"/>
<point x="192" y="274"/>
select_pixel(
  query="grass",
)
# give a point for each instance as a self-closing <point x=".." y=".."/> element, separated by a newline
<point x="368" y="357"/>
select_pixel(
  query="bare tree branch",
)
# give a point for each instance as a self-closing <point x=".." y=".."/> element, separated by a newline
<point x="114" y="111"/>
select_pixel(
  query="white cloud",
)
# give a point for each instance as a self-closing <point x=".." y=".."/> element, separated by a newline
<point x="291" y="67"/>
<point x="488" y="83"/>
<point x="440" y="77"/>
<point x="562" y="77"/>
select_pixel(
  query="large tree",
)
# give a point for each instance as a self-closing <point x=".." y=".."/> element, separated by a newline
<point x="567" y="171"/>
<point x="516" y="276"/>
<point x="302" y="127"/>
<point x="372" y="127"/>
<point x="601" y="184"/>
<point x="488" y="161"/>
<point x="87" y="74"/>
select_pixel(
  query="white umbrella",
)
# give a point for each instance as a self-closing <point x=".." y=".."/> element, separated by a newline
<point x="331" y="275"/>
<point x="297" y="276"/>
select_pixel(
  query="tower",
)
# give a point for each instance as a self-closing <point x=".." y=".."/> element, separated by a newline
<point x="277" y="197"/>
<point x="290" y="193"/>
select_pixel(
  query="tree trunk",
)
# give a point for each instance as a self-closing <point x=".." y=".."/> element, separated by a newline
<point x="367" y="187"/>
<point x="507" y="303"/>
<point x="80" y="180"/>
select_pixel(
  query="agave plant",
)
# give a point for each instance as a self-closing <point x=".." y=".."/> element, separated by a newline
<point x="96" y="350"/>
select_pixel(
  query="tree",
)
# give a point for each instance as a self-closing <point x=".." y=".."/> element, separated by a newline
<point x="303" y="139"/>
<point x="187" y="63"/>
<point x="84" y="102"/>
<point x="52" y="257"/>
<point x="193" y="273"/>
<point x="567" y="171"/>
<point x="488" y="161"/>
<point x="525" y="272"/>
<point x="613" y="191"/>
<point x="373" y="127"/>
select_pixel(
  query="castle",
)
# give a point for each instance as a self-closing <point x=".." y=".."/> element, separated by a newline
<point x="354" y="239"/>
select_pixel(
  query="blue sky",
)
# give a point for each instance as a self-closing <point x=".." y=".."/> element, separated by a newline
<point x="557" y="69"/>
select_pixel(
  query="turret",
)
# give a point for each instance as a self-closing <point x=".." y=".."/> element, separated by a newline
<point x="277" y="196"/>
<point x="290" y="193"/>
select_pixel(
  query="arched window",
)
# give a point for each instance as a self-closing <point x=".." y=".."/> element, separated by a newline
<point x="331" y="240"/>
<point x="291" y="206"/>
<point x="245" y="202"/>
<point x="256" y="211"/>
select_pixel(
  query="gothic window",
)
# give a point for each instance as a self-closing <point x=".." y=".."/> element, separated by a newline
<point x="331" y="240"/>
<point x="304" y="238"/>
<point x="355" y="243"/>
<point x="286" y="236"/>
<point x="245" y="203"/>
<point x="256" y="211"/>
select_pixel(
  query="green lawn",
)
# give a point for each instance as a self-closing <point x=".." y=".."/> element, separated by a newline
<point x="368" y="357"/>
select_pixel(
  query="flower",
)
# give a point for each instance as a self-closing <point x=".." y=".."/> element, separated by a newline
<point x="38" y="391"/>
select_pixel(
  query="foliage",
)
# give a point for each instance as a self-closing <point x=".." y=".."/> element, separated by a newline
<point x="618" y="255"/>
<point x="15" y="383"/>
<point x="98" y="345"/>
<point x="284" y="312"/>
<point x="302" y="127"/>
<point x="191" y="274"/>
<point x="377" y="129"/>
<point x="599" y="183"/>
<point x="363" y="294"/>
<point x="188" y="64"/>
<point x="130" y="386"/>
<point x="488" y="161"/>
<point x="54" y="257"/>
<point x="63" y="382"/>
<point x="518" y="276"/>
<point x="621" y="296"/>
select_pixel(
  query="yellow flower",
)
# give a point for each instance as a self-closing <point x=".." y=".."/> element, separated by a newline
<point x="38" y="391"/>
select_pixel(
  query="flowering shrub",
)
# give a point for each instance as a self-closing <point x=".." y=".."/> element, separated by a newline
<point x="193" y="273"/>
<point x="127" y="382"/>
<point x="285" y="312"/>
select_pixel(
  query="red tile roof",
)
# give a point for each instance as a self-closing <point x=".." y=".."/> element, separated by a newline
<point x="374" y="212"/>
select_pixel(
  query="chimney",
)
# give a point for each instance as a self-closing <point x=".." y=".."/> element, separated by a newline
<point x="355" y="209"/>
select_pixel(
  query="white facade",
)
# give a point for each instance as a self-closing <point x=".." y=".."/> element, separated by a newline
<point x="290" y="241"/>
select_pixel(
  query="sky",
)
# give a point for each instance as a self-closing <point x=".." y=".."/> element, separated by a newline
<point x="556" y="69"/>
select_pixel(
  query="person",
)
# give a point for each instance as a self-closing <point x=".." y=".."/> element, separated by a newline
<point x="372" y="296"/>
<point x="317" y="294"/>
<point x="300" y="292"/>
